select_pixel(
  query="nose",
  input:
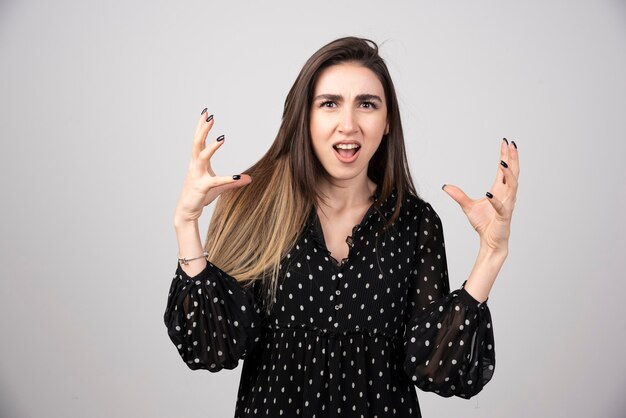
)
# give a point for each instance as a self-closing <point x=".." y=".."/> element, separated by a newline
<point x="348" y="122"/>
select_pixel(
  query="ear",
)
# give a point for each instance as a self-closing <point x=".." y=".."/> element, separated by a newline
<point x="386" y="129"/>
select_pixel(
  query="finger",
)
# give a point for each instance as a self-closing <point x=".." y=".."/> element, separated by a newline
<point x="458" y="196"/>
<point x="514" y="159"/>
<point x="504" y="156"/>
<point x="204" y="118"/>
<point x="509" y="179"/>
<point x="202" y="129"/>
<point x="497" y="204"/>
<point x="504" y="150"/>
<point x="207" y="153"/>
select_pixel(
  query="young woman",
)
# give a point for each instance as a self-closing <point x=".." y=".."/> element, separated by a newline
<point x="327" y="273"/>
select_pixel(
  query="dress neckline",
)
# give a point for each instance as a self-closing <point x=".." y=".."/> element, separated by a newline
<point x="317" y="233"/>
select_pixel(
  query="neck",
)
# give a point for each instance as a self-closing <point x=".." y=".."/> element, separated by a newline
<point x="343" y="194"/>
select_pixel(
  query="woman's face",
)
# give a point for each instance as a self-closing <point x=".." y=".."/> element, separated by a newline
<point x="348" y="119"/>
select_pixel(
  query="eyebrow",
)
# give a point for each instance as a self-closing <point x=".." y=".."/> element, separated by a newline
<point x="338" y="97"/>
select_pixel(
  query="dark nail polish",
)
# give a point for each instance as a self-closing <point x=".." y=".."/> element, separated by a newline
<point x="505" y="165"/>
<point x="204" y="111"/>
<point x="442" y="187"/>
<point x="236" y="177"/>
<point x="220" y="138"/>
<point x="489" y="195"/>
<point x="514" y="144"/>
<point x="209" y="118"/>
<point x="506" y="140"/>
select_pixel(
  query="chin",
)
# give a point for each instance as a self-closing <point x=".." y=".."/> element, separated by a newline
<point x="344" y="175"/>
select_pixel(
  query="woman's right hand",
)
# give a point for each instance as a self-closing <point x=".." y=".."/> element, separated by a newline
<point x="201" y="185"/>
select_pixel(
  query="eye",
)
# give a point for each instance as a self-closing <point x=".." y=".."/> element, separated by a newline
<point x="327" y="103"/>
<point x="369" y="105"/>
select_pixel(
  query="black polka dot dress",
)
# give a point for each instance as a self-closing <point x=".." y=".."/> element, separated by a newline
<point x="343" y="339"/>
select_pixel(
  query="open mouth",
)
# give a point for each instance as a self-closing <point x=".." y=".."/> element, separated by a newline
<point x="347" y="152"/>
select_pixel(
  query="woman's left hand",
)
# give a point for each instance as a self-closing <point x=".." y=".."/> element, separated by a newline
<point x="491" y="217"/>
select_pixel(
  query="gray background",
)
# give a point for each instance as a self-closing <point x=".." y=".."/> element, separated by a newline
<point x="98" y="105"/>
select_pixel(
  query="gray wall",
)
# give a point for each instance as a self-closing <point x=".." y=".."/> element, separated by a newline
<point x="98" y="104"/>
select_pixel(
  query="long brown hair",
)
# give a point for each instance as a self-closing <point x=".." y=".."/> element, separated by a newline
<point x="253" y="227"/>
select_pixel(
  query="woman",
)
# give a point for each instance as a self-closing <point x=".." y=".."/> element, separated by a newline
<point x="327" y="273"/>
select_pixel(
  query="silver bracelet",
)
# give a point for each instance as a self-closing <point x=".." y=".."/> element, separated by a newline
<point x="186" y="261"/>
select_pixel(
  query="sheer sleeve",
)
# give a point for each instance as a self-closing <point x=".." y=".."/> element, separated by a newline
<point x="212" y="320"/>
<point x="449" y="343"/>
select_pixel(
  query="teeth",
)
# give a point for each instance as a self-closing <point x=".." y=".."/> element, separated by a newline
<point x="347" y="146"/>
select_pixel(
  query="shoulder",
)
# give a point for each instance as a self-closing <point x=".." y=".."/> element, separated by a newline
<point x="413" y="209"/>
<point x="416" y="210"/>
<point x="415" y="205"/>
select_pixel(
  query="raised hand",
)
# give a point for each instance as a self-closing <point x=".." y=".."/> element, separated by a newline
<point x="201" y="185"/>
<point x="491" y="215"/>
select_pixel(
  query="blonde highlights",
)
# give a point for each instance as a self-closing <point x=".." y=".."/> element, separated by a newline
<point x="254" y="227"/>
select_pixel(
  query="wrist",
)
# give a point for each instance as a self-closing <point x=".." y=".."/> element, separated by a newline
<point x="184" y="222"/>
<point x="486" y="268"/>
<point x="489" y="252"/>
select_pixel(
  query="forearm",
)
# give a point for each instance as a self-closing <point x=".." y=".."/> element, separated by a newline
<point x="484" y="273"/>
<point x="190" y="246"/>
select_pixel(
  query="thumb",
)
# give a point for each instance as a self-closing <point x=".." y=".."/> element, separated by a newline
<point x="216" y="191"/>
<point x="457" y="195"/>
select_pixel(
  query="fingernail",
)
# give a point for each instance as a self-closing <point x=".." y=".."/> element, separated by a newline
<point x="505" y="140"/>
<point x="220" y="138"/>
<point x="505" y="165"/>
<point x="209" y="118"/>
<point x="514" y="144"/>
<point x="236" y="177"/>
<point x="442" y="187"/>
<point x="204" y="111"/>
<point x="489" y="195"/>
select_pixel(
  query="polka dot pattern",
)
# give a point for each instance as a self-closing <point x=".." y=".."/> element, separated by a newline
<point x="211" y="319"/>
<point x="350" y="338"/>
